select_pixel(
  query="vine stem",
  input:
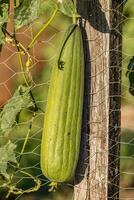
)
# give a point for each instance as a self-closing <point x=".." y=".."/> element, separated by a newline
<point x="22" y="68"/>
<point x="26" y="139"/>
<point x="20" y="47"/>
<point x="42" y="29"/>
<point x="17" y="191"/>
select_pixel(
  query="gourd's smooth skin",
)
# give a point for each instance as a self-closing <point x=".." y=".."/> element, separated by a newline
<point x="63" y="115"/>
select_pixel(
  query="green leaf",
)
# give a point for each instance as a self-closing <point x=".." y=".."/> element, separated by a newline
<point x="20" y="100"/>
<point x="28" y="11"/>
<point x="47" y="6"/>
<point x="7" y="155"/>
<point x="4" y="11"/>
<point x="68" y="8"/>
<point x="17" y="3"/>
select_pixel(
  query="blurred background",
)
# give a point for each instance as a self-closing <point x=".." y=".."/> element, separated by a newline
<point x="43" y="55"/>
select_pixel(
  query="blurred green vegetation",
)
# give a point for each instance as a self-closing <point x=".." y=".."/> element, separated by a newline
<point x="127" y="136"/>
<point x="128" y="48"/>
<point x="127" y="158"/>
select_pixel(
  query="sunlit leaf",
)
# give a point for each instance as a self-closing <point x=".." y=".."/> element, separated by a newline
<point x="68" y="8"/>
<point x="29" y="10"/>
<point x="26" y="12"/>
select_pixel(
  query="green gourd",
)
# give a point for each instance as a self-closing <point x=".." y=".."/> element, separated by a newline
<point x="63" y="115"/>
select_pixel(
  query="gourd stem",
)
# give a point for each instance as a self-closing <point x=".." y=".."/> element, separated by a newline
<point x="42" y="29"/>
<point x="61" y="63"/>
<point x="74" y="18"/>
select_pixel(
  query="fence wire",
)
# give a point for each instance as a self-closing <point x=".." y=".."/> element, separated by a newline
<point x="42" y="55"/>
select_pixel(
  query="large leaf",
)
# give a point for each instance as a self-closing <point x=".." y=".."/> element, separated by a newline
<point x="67" y="7"/>
<point x="7" y="155"/>
<point x="4" y="11"/>
<point x="20" y="100"/>
<point x="28" y="11"/>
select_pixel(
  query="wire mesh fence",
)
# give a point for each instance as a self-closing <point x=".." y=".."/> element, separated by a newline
<point x="25" y="137"/>
<point x="106" y="165"/>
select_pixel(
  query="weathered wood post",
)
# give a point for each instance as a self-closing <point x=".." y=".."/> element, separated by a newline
<point x="97" y="174"/>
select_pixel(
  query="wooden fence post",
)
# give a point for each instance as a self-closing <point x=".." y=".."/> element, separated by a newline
<point x="97" y="176"/>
